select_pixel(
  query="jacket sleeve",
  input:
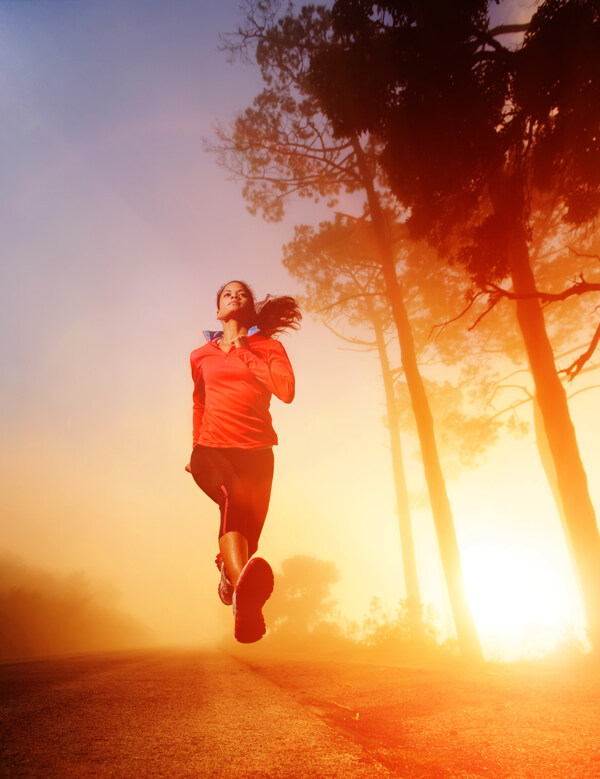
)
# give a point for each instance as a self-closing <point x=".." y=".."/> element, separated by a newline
<point x="274" y="370"/>
<point x="198" y="403"/>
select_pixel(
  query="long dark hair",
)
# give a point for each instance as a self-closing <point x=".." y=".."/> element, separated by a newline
<point x="273" y="315"/>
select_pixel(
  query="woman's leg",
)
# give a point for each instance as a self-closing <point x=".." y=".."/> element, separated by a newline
<point x="234" y="549"/>
<point x="255" y="468"/>
<point x="239" y="481"/>
<point x="216" y="476"/>
<point x="255" y="471"/>
<point x="255" y="583"/>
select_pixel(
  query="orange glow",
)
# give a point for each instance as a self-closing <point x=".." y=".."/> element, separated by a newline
<point x="117" y="232"/>
<point x="522" y="600"/>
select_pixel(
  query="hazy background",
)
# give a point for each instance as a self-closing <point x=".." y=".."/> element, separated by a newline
<point x="116" y="229"/>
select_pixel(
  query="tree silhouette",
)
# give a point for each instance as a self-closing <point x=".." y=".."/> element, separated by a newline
<point x="472" y="130"/>
<point x="302" y="599"/>
<point x="43" y="613"/>
<point x="386" y="633"/>
<point x="335" y="267"/>
<point x="284" y="145"/>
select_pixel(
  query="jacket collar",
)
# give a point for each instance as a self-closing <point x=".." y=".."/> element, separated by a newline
<point x="214" y="335"/>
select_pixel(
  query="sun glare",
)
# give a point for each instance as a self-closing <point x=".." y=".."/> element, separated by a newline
<point x="524" y="601"/>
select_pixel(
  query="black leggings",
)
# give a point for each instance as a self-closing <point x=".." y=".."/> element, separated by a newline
<point x="239" y="481"/>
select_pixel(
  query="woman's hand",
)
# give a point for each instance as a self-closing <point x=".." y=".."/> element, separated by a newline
<point x="240" y="341"/>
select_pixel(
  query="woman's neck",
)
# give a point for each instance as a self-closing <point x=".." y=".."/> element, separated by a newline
<point x="231" y="329"/>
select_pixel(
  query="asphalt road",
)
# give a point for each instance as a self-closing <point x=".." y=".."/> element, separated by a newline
<point x="163" y="714"/>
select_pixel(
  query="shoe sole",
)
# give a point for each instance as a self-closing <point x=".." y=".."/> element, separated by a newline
<point x="253" y="589"/>
<point x="225" y="597"/>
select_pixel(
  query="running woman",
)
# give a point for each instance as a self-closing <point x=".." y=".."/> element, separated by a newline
<point x="234" y="375"/>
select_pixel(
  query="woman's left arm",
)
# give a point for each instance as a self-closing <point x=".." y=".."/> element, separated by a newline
<point x="272" y="368"/>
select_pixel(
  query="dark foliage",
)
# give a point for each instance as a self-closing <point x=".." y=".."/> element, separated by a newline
<point x="462" y="115"/>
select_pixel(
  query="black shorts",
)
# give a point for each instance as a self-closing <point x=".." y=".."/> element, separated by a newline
<point x="239" y="481"/>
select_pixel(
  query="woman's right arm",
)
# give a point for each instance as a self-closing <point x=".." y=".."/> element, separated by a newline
<point x="197" y="415"/>
<point x="198" y="402"/>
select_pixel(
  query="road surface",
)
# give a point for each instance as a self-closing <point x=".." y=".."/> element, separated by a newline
<point x="163" y="714"/>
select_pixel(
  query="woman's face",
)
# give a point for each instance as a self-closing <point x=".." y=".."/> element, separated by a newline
<point x="234" y="302"/>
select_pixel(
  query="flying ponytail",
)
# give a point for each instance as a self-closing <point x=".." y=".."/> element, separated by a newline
<point x="274" y="314"/>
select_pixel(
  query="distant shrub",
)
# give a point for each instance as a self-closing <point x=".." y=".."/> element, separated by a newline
<point x="44" y="614"/>
<point x="396" y="634"/>
<point x="302" y="616"/>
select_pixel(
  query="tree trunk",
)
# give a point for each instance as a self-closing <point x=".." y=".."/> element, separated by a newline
<point x="549" y="469"/>
<point x="409" y="563"/>
<point x="580" y="517"/>
<point x="579" y="514"/>
<point x="466" y="632"/>
<point x="541" y="440"/>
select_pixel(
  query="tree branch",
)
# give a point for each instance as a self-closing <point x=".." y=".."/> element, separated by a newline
<point x="578" y="364"/>
<point x="368" y="345"/>
<point x="441" y="326"/>
<point x="577" y="288"/>
<point x="492" y="304"/>
<point x="508" y="29"/>
<point x="582" y="254"/>
<point x="340" y="301"/>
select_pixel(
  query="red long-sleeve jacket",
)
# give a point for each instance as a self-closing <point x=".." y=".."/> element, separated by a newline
<point x="232" y="392"/>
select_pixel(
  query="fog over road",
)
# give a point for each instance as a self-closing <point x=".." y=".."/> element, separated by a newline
<point x="201" y="714"/>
